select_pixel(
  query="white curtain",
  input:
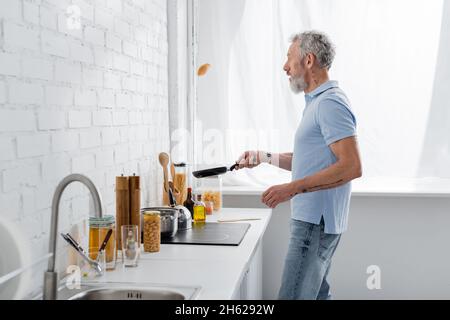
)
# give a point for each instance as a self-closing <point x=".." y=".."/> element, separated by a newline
<point x="386" y="63"/>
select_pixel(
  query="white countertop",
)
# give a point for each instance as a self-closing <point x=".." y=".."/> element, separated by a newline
<point x="217" y="270"/>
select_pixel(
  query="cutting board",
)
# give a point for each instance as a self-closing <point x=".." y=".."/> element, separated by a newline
<point x="215" y="234"/>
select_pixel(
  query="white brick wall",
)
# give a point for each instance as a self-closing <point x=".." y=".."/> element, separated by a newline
<point x="85" y="98"/>
<point x="50" y="119"/>
<point x="91" y="100"/>
<point x="25" y="93"/>
<point x="94" y="35"/>
<point x="9" y="64"/>
<point x="34" y="145"/>
<point x="59" y="96"/>
<point x="110" y="137"/>
<point x="48" y="18"/>
<point x="81" y="52"/>
<point x="17" y="120"/>
<point x="31" y="12"/>
<point x="2" y="92"/>
<point x="20" y="36"/>
<point x="55" y="166"/>
<point x="102" y="118"/>
<point x="68" y="72"/>
<point x="10" y="10"/>
<point x="80" y="119"/>
<point x="37" y="68"/>
<point x="6" y="149"/>
<point x="84" y="163"/>
<point x="90" y="138"/>
<point x="54" y="44"/>
<point x="20" y="176"/>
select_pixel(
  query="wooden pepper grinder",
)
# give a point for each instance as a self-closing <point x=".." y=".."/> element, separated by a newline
<point x="135" y="202"/>
<point x="122" y="207"/>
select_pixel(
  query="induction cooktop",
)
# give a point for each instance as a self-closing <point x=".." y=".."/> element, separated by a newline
<point x="215" y="234"/>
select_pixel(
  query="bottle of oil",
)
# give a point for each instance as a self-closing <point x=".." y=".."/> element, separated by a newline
<point x="199" y="210"/>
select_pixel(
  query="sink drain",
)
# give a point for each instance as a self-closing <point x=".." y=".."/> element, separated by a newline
<point x="134" y="295"/>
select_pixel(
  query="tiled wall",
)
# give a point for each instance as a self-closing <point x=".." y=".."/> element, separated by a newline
<point x="90" y="100"/>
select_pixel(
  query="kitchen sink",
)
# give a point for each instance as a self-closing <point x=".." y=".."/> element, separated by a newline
<point x="128" y="294"/>
<point x="126" y="291"/>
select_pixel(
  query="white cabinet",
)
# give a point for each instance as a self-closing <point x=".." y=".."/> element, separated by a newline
<point x="275" y="240"/>
<point x="250" y="287"/>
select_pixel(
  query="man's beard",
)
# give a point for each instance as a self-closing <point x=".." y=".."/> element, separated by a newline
<point x="298" y="85"/>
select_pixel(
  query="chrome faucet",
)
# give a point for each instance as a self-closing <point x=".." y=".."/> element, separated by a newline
<point x="51" y="276"/>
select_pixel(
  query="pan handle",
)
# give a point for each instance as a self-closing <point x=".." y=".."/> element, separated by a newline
<point x="172" y="201"/>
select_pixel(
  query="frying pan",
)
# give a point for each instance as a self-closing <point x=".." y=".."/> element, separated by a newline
<point x="213" y="172"/>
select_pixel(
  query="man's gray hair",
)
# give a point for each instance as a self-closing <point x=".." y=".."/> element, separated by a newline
<point x="318" y="44"/>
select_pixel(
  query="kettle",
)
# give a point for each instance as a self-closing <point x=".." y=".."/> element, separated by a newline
<point x="184" y="217"/>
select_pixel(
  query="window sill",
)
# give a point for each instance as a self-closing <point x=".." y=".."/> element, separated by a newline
<point x="373" y="187"/>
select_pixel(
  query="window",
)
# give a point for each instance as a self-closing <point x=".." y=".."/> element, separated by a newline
<point x="390" y="62"/>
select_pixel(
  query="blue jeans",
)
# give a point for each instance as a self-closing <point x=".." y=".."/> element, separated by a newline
<point x="308" y="262"/>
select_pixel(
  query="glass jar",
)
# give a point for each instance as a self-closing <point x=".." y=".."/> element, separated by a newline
<point x="180" y="182"/>
<point x="130" y="245"/>
<point x="211" y="190"/>
<point x="152" y="231"/>
<point x="209" y="205"/>
<point x="98" y="229"/>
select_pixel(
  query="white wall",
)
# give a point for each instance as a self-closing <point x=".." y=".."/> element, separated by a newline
<point x="92" y="100"/>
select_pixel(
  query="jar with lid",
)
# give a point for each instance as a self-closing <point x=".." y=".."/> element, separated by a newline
<point x="152" y="231"/>
<point x="180" y="182"/>
<point x="98" y="229"/>
<point x="211" y="190"/>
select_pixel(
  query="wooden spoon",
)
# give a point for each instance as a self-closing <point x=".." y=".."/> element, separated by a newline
<point x="164" y="161"/>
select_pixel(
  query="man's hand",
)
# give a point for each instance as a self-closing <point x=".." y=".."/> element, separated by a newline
<point x="278" y="194"/>
<point x="249" y="159"/>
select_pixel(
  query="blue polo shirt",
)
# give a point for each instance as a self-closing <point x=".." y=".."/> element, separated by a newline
<point x="327" y="118"/>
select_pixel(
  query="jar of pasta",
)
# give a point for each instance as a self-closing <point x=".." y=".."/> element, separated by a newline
<point x="152" y="231"/>
<point x="211" y="190"/>
<point x="180" y="182"/>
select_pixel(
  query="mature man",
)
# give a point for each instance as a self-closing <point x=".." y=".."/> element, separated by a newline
<point x="325" y="161"/>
